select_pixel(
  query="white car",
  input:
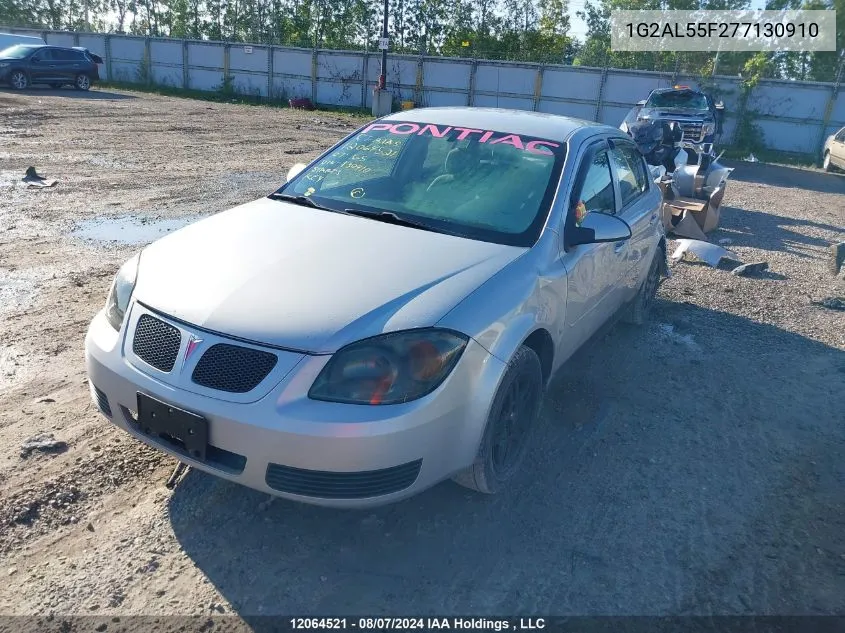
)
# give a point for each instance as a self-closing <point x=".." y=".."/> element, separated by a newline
<point x="391" y="316"/>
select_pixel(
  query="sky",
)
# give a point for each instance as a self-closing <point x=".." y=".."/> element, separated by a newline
<point x="579" y="27"/>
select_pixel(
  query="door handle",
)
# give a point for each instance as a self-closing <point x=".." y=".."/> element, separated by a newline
<point x="653" y="218"/>
<point x="620" y="246"/>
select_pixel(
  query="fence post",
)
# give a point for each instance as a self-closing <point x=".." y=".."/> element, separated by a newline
<point x="677" y="68"/>
<point x="314" y="76"/>
<point x="148" y="61"/>
<point x="418" y="88"/>
<point x="471" y="89"/>
<point x="107" y="45"/>
<point x="186" y="73"/>
<point x="76" y="39"/>
<point x="365" y="69"/>
<point x="828" y="111"/>
<point x="270" y="63"/>
<point x="538" y="86"/>
<point x="226" y="48"/>
<point x="600" y="97"/>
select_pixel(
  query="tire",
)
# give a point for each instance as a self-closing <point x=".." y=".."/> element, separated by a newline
<point x="639" y="310"/>
<point x="19" y="80"/>
<point x="494" y="467"/>
<point x="82" y="82"/>
<point x="826" y="162"/>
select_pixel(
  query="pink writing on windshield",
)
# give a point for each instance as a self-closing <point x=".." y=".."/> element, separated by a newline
<point x="404" y="129"/>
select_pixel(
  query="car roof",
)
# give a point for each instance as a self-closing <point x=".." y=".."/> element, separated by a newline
<point x="553" y="127"/>
<point x="684" y="89"/>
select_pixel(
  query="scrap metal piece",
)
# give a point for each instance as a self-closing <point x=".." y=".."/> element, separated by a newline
<point x="749" y="269"/>
<point x="710" y="254"/>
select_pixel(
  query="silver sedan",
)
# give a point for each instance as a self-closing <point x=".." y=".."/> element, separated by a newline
<point x="392" y="315"/>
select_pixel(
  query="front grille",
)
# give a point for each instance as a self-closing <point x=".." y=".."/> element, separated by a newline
<point x="101" y="400"/>
<point x="156" y="343"/>
<point x="233" y="368"/>
<point x="334" y="485"/>
<point x="692" y="130"/>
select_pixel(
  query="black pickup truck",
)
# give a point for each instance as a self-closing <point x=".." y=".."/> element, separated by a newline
<point x="696" y="113"/>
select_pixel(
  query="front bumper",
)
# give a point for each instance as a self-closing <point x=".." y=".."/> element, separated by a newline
<point x="287" y="445"/>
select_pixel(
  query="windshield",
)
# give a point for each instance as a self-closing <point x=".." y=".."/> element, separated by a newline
<point x="18" y="51"/>
<point x="482" y="184"/>
<point x="685" y="100"/>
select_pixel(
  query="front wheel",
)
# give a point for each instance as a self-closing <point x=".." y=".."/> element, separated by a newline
<point x="19" y="80"/>
<point x="510" y="425"/>
<point x="826" y="162"/>
<point x="640" y="308"/>
<point x="83" y="82"/>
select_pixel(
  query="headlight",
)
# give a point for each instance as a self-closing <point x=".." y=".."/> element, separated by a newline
<point x="4" y="64"/>
<point x="390" y="368"/>
<point x="121" y="291"/>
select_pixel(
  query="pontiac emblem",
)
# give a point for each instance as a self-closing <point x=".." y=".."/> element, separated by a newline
<point x="193" y="343"/>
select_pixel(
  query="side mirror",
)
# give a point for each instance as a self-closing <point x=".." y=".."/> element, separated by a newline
<point x="294" y="171"/>
<point x="641" y="103"/>
<point x="600" y="227"/>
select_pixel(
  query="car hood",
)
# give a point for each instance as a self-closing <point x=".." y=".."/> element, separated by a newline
<point x="680" y="113"/>
<point x="310" y="280"/>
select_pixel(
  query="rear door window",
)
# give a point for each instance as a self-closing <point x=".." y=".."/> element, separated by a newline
<point x="631" y="173"/>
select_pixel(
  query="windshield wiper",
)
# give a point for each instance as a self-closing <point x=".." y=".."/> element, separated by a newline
<point x="391" y="218"/>
<point x="304" y="201"/>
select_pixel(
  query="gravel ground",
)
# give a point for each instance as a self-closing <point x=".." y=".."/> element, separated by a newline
<point x="692" y="466"/>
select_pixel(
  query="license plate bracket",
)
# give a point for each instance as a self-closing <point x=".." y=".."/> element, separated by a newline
<point x="161" y="420"/>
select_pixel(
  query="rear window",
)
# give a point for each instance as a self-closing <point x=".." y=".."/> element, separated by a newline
<point x="681" y="99"/>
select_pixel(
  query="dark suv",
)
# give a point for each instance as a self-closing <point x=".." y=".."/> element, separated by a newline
<point x="23" y="65"/>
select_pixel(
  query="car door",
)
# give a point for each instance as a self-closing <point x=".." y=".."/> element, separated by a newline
<point x="62" y="63"/>
<point x="593" y="270"/>
<point x="41" y="65"/>
<point x="640" y="203"/>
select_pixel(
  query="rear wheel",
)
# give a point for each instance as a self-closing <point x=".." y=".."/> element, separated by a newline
<point x="83" y="82"/>
<point x="510" y="425"/>
<point x="19" y="80"/>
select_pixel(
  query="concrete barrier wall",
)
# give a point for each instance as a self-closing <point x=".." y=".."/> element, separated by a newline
<point x="794" y="116"/>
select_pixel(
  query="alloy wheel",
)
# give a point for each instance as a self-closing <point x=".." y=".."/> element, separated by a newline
<point x="19" y="80"/>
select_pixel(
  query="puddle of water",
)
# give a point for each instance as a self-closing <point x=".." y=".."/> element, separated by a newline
<point x="127" y="230"/>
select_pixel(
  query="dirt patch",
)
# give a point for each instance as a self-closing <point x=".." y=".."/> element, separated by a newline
<point x="692" y="466"/>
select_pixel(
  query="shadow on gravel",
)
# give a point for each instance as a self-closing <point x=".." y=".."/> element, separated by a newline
<point x="69" y="93"/>
<point x="689" y="467"/>
<point x="772" y="232"/>
<point x="783" y="176"/>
